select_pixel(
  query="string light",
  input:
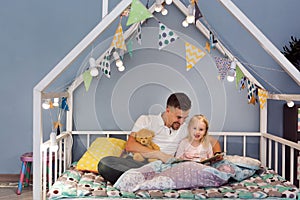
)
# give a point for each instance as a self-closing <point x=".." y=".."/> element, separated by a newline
<point x="169" y="2"/>
<point x="46" y="104"/>
<point x="55" y="102"/>
<point x="231" y="72"/>
<point x="290" y="104"/>
<point x="158" y="6"/>
<point x="93" y="67"/>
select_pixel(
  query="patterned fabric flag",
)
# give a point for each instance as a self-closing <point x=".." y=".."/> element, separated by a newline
<point x="223" y="65"/>
<point x="192" y="55"/>
<point x="212" y="40"/>
<point x="262" y="96"/>
<point x="198" y="13"/>
<point x="64" y="104"/>
<point x="138" y="12"/>
<point x="87" y="79"/>
<point x="252" y="92"/>
<point x="238" y="76"/>
<point x="139" y="34"/>
<point x="118" y="40"/>
<point x="129" y="46"/>
<point x="105" y="64"/>
<point x="166" y="36"/>
<point x="242" y="83"/>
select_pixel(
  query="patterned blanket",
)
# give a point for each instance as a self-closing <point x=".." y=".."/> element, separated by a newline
<point x="157" y="180"/>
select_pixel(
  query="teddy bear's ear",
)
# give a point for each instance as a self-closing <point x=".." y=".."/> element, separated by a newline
<point x="133" y="134"/>
<point x="152" y="133"/>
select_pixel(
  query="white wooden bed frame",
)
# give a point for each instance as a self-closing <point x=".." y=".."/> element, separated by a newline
<point x="63" y="155"/>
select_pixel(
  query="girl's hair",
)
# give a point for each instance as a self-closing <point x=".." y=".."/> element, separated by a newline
<point x="196" y="119"/>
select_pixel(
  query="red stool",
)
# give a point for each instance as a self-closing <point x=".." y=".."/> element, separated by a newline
<point x="26" y="159"/>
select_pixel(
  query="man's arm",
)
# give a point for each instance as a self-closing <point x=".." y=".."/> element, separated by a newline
<point x="215" y="145"/>
<point x="133" y="146"/>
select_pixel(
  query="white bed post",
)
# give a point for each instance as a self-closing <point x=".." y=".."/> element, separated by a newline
<point x="263" y="129"/>
<point x="37" y="141"/>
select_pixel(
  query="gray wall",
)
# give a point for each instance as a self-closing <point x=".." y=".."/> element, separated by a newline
<point x="36" y="35"/>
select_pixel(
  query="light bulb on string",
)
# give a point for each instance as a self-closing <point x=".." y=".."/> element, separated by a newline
<point x="185" y="23"/>
<point x="190" y="17"/>
<point x="231" y="72"/>
<point x="164" y="11"/>
<point x="121" y="68"/>
<point x="169" y="2"/>
<point x="158" y="6"/>
<point x="46" y="104"/>
<point x="55" y="102"/>
<point x="93" y="67"/>
<point x="290" y="104"/>
<point x="119" y="62"/>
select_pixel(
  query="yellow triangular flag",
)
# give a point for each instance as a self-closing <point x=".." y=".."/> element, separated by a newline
<point x="192" y="55"/>
<point x="118" y="40"/>
<point x="262" y="96"/>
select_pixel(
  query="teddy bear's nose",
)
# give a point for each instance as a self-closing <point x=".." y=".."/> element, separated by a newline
<point x="143" y="141"/>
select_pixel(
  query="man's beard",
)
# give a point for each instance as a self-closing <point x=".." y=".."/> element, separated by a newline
<point x="175" y="126"/>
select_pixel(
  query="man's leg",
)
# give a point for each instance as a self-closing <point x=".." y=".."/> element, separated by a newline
<point x="111" y="168"/>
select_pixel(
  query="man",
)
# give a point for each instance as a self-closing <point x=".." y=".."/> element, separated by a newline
<point x="169" y="128"/>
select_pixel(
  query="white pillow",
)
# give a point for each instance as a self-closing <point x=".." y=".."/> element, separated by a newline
<point x="244" y="161"/>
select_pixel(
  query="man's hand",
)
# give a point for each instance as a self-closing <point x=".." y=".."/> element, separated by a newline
<point x="158" y="155"/>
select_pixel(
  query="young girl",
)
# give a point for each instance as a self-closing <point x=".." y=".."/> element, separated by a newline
<point x="196" y="146"/>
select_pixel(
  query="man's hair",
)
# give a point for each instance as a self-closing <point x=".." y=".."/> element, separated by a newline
<point x="179" y="100"/>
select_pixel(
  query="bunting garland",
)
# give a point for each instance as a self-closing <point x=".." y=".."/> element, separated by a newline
<point x="192" y="55"/>
<point x="166" y="36"/>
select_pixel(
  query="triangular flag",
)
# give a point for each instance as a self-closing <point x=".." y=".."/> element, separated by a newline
<point x="57" y="124"/>
<point x="212" y="40"/>
<point x="192" y="55"/>
<point x="166" y="36"/>
<point x="139" y="34"/>
<point x="262" y="96"/>
<point x="118" y="40"/>
<point x="51" y="104"/>
<point x="242" y="83"/>
<point x="64" y="104"/>
<point x="198" y="13"/>
<point x="252" y="92"/>
<point x="207" y="47"/>
<point x="87" y="79"/>
<point x="138" y="12"/>
<point x="223" y="65"/>
<point x="105" y="64"/>
<point x="238" y="76"/>
<point x="129" y="47"/>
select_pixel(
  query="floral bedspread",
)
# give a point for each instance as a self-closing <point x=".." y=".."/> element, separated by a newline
<point x="157" y="180"/>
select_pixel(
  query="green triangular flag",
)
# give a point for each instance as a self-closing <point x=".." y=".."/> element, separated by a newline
<point x="129" y="47"/>
<point x="138" y="12"/>
<point x="239" y="75"/>
<point x="87" y="78"/>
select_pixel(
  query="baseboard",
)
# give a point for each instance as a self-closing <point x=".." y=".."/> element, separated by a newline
<point x="9" y="178"/>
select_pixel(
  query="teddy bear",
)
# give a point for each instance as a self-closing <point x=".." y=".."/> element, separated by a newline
<point x="144" y="137"/>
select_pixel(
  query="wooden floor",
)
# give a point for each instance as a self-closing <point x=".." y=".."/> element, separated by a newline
<point x="8" y="188"/>
<point x="9" y="193"/>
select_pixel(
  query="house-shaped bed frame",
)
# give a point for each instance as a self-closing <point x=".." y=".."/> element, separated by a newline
<point x="39" y="94"/>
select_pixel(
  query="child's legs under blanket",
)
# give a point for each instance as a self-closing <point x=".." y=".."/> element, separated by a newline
<point x="111" y="168"/>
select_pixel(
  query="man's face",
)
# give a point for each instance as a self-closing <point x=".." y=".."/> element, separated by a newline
<point x="177" y="117"/>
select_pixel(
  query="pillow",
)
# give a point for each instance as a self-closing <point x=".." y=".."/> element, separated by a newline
<point x="99" y="149"/>
<point x="243" y="161"/>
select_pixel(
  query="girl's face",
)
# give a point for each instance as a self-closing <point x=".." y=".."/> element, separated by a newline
<point x="197" y="130"/>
